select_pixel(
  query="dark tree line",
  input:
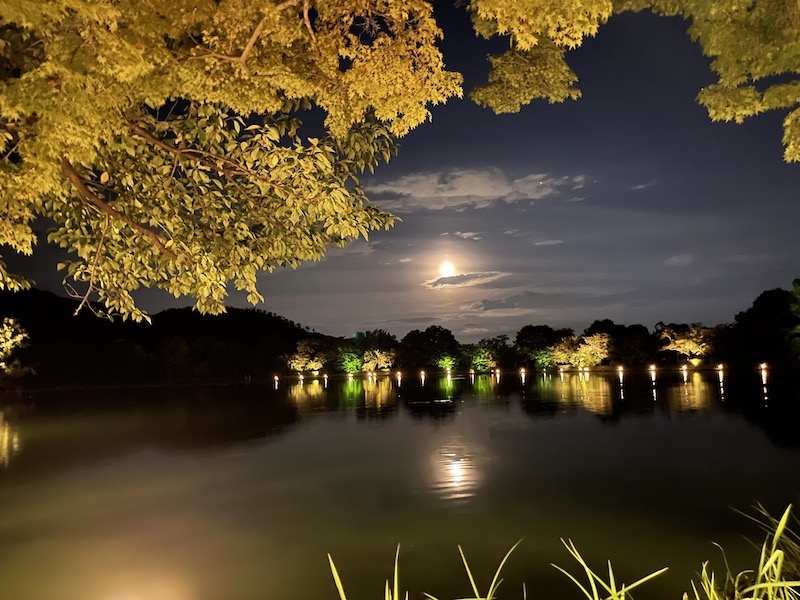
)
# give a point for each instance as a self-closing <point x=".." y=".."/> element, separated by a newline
<point x="254" y="345"/>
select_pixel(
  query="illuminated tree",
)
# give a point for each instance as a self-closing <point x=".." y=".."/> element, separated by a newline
<point x="446" y="362"/>
<point x="129" y="124"/>
<point x="584" y="351"/>
<point x="163" y="140"/>
<point x="533" y="344"/>
<point x="690" y="341"/>
<point x="350" y="361"/>
<point x="376" y="359"/>
<point x="12" y="337"/>
<point x="308" y="356"/>
<point x="479" y="357"/>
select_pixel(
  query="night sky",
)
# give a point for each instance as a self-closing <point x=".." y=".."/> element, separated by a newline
<point x="628" y="204"/>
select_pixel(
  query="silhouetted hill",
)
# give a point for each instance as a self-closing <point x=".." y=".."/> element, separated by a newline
<point x="179" y="344"/>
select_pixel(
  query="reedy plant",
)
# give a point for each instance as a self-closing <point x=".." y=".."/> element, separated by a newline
<point x="600" y="589"/>
<point x="772" y="579"/>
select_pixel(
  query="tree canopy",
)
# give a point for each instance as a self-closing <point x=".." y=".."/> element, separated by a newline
<point x="164" y="143"/>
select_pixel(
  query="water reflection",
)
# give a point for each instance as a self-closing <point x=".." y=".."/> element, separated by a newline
<point x="694" y="394"/>
<point x="307" y="394"/>
<point x="455" y="474"/>
<point x="378" y="392"/>
<point x="9" y="441"/>
<point x="590" y="393"/>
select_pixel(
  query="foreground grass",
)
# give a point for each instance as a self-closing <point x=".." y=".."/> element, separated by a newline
<point x="776" y="576"/>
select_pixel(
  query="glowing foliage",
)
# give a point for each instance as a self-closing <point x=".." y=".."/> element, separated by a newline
<point x="583" y="351"/>
<point x="307" y="358"/>
<point x="129" y="124"/>
<point x="690" y="341"/>
<point x="132" y="125"/>
<point x="12" y="336"/>
<point x="375" y="359"/>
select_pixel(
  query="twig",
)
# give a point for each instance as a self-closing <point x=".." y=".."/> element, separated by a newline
<point x="307" y="21"/>
<point x="14" y="147"/>
<point x="85" y="297"/>
<point x="248" y="47"/>
<point x="71" y="174"/>
<point x="214" y="161"/>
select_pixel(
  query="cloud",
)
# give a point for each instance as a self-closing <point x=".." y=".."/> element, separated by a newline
<point x="512" y="232"/>
<point x="405" y="259"/>
<point x="548" y="242"/>
<point x="464" y="280"/>
<point x="644" y="186"/>
<point x="469" y="235"/>
<point x="460" y="189"/>
<point x="474" y="330"/>
<point x="679" y="260"/>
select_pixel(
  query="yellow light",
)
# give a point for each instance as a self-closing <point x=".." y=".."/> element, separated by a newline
<point x="652" y="367"/>
<point x="422" y="373"/>
<point x="620" y="369"/>
<point x="720" y="366"/>
<point x="522" y="371"/>
<point x="762" y="366"/>
<point x="276" y="378"/>
<point x="472" y="371"/>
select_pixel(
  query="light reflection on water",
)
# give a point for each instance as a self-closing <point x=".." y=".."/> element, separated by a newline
<point x="456" y="475"/>
<point x="9" y="441"/>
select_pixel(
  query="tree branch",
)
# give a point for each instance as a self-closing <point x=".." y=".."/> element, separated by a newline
<point x="248" y="47"/>
<point x="71" y="174"/>
<point x="209" y="159"/>
<point x="307" y="21"/>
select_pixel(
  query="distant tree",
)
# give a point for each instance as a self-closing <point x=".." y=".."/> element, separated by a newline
<point x="376" y="359"/>
<point x="308" y="356"/>
<point x="794" y="332"/>
<point x="584" y="351"/>
<point x="12" y="338"/>
<point x="764" y="332"/>
<point x="349" y="360"/>
<point x="378" y="339"/>
<point x="502" y="354"/>
<point x="690" y="341"/>
<point x="628" y="344"/>
<point x="533" y="344"/>
<point x="478" y="357"/>
<point x="446" y="362"/>
<point x="565" y="351"/>
<point x="424" y="348"/>
<point x="593" y="349"/>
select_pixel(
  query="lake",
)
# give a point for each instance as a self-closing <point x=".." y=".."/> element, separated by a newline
<point x="238" y="492"/>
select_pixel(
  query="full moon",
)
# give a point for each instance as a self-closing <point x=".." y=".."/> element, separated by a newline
<point x="447" y="269"/>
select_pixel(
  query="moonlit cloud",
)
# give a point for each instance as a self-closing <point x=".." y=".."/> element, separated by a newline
<point x="459" y="189"/>
<point x="679" y="260"/>
<point x="548" y="242"/>
<point x="474" y="330"/>
<point x="464" y="280"/>
<point x="469" y="235"/>
<point x="405" y="259"/>
<point x="644" y="186"/>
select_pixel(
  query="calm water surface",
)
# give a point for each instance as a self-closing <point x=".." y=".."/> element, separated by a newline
<point x="237" y="493"/>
